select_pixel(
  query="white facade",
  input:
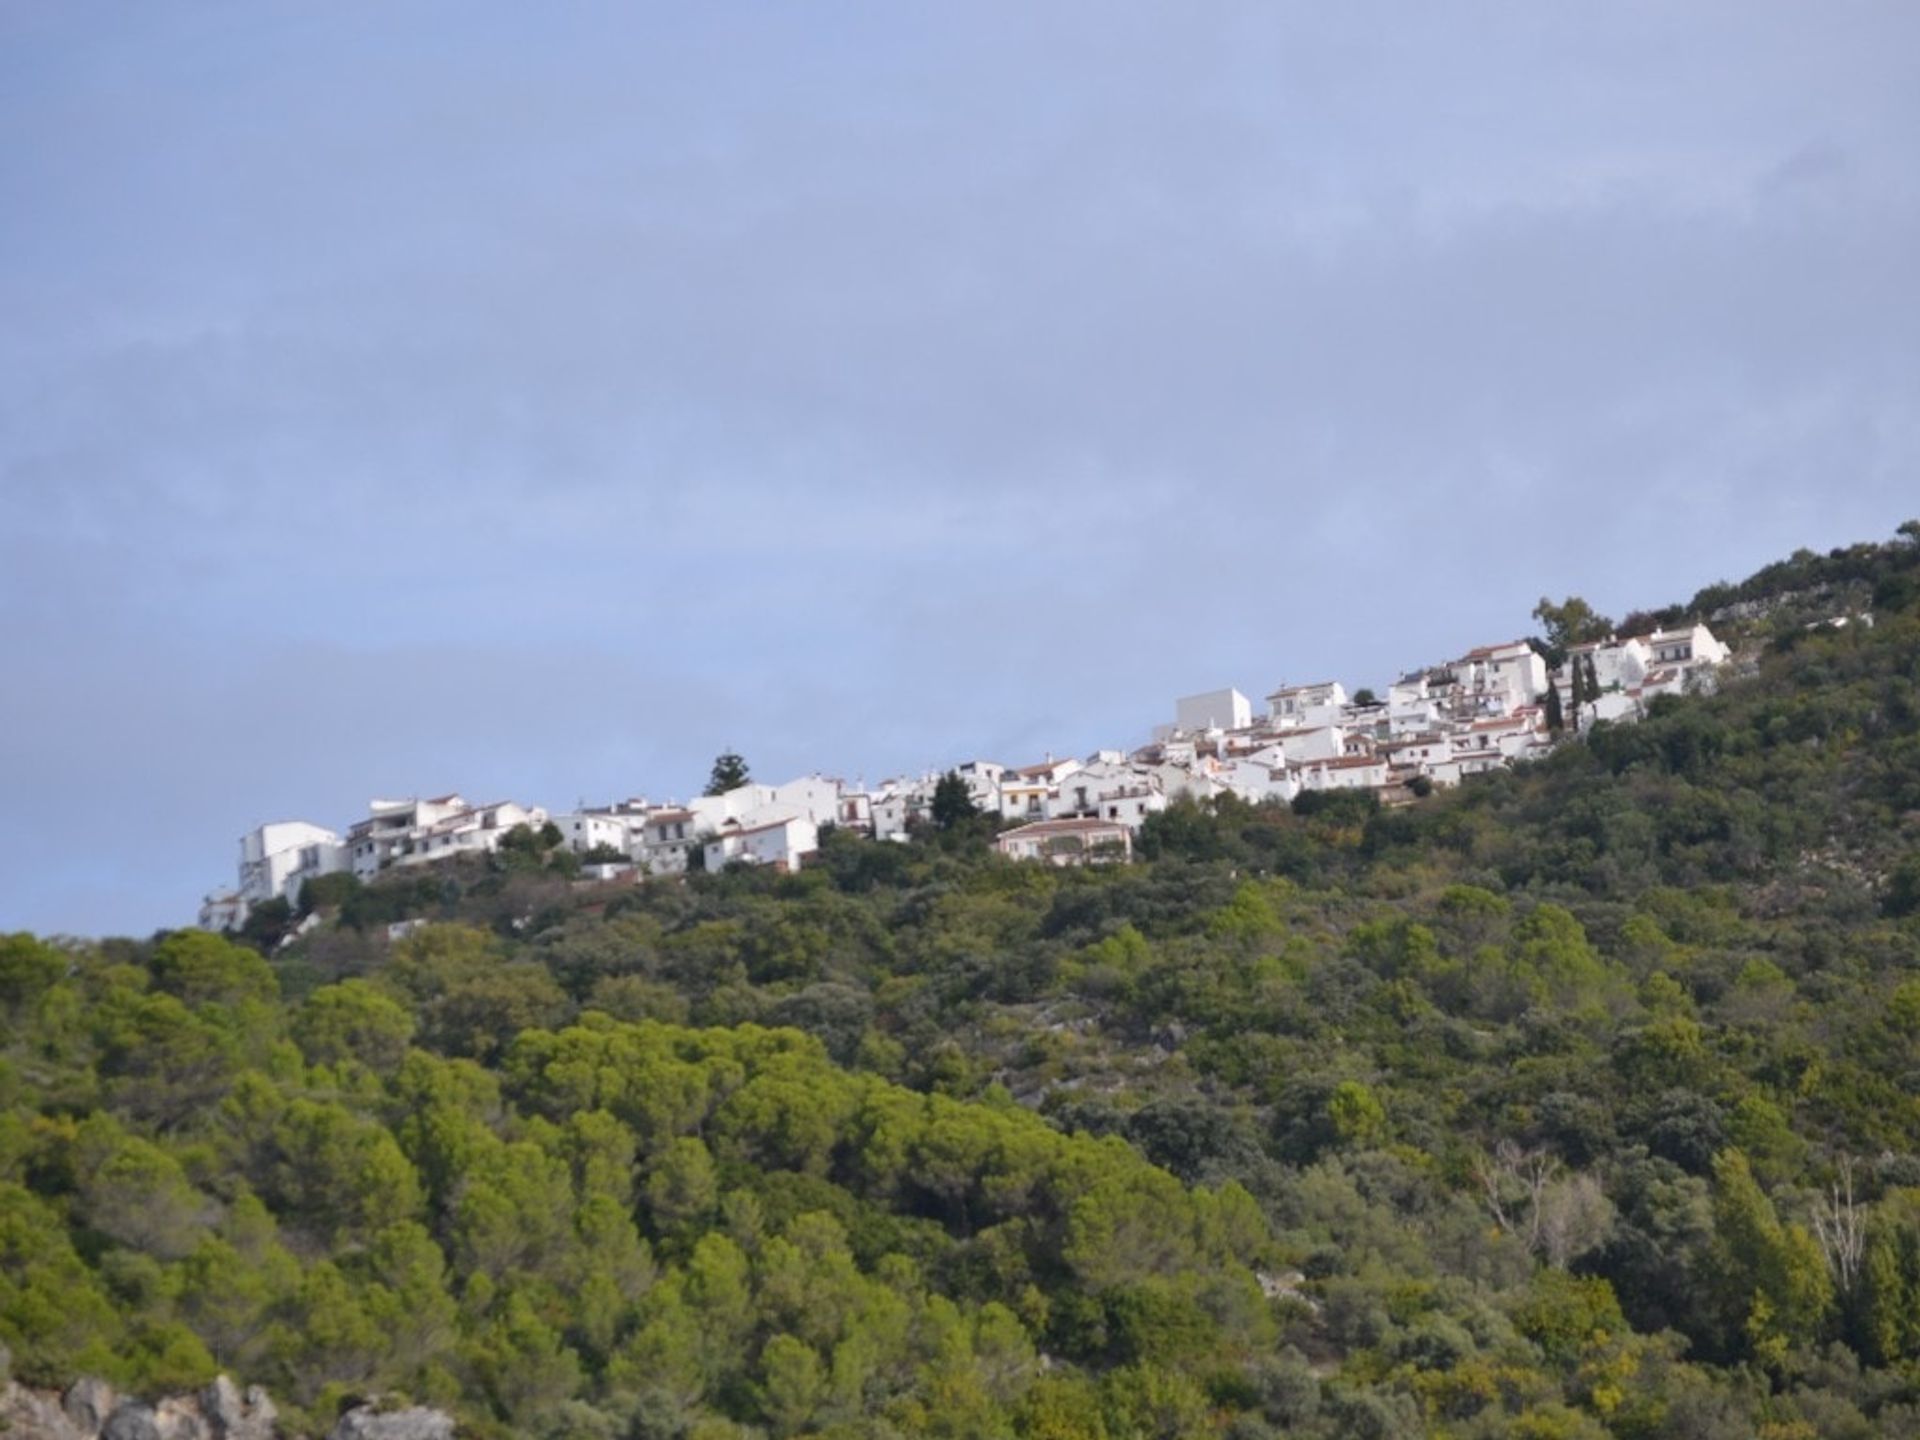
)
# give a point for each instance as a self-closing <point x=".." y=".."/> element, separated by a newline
<point x="223" y="910"/>
<point x="1297" y="707"/>
<point x="1256" y="783"/>
<point x="1299" y="747"/>
<point x="1503" y="677"/>
<point x="1214" y="710"/>
<point x="661" y="846"/>
<point x="1617" y="665"/>
<point x="1694" y="645"/>
<point x="585" y="829"/>
<point x="1356" y="772"/>
<point x="1068" y="842"/>
<point x="377" y="841"/>
<point x="277" y="859"/>
<point x="476" y="830"/>
<point x="1108" y="790"/>
<point x="898" y="809"/>
<point x="783" y="843"/>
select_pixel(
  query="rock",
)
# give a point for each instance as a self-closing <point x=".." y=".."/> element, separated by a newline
<point x="132" y="1421"/>
<point x="88" y="1402"/>
<point x="31" y="1415"/>
<point x="419" y="1423"/>
<point x="179" y="1418"/>
<point x="232" y="1416"/>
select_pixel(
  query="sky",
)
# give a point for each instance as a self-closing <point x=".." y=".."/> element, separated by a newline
<point x="533" y="401"/>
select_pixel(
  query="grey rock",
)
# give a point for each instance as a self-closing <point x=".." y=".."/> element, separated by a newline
<point x="88" y="1402"/>
<point x="233" y="1416"/>
<point x="179" y="1418"/>
<point x="32" y="1415"/>
<point x="132" y="1421"/>
<point x="419" y="1423"/>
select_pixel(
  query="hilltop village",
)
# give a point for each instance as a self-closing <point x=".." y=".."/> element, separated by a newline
<point x="1434" y="727"/>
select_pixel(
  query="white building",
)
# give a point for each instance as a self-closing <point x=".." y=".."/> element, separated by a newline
<point x="784" y="844"/>
<point x="223" y="910"/>
<point x="1299" y="707"/>
<point x="901" y="807"/>
<point x="1688" y="647"/>
<point x="475" y="830"/>
<point x="1351" y="772"/>
<point x="1299" y="746"/>
<point x="1215" y="710"/>
<point x="1108" y="790"/>
<point x="586" y="830"/>
<point x="1256" y="783"/>
<point x="1501" y="678"/>
<point x="377" y="841"/>
<point x="1068" y="842"/>
<point x="277" y="859"/>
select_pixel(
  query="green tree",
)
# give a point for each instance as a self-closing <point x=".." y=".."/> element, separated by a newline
<point x="1572" y="622"/>
<point x="1773" y="1279"/>
<point x="952" y="801"/>
<point x="729" y="773"/>
<point x="353" y="1021"/>
<point x="1356" y="1114"/>
<point x="794" y="1384"/>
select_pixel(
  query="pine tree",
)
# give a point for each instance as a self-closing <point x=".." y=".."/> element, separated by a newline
<point x="729" y="773"/>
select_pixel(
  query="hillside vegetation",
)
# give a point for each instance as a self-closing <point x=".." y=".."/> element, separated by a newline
<point x="1581" y="1102"/>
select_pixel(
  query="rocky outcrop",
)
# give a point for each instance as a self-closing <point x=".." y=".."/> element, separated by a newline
<point x="235" y="1416"/>
<point x="90" y="1410"/>
<point x="418" y="1423"/>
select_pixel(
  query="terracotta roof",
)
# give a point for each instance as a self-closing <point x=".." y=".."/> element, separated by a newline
<point x="759" y="829"/>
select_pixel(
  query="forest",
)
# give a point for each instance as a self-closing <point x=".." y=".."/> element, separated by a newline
<point x="1580" y="1102"/>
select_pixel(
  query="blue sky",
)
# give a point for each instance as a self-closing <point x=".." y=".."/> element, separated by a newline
<point x="535" y="400"/>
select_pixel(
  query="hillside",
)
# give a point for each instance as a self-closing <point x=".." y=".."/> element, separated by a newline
<point x="1579" y="1101"/>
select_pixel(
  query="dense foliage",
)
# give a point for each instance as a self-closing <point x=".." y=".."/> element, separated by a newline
<point x="1583" y="1101"/>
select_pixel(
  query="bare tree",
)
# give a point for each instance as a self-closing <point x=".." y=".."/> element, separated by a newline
<point x="1840" y="1226"/>
<point x="1557" y="1216"/>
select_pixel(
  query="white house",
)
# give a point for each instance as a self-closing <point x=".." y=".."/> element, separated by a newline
<point x="377" y="841"/>
<point x="1502" y="677"/>
<point x="900" y="806"/>
<point x="1293" y="707"/>
<point x="1350" y="772"/>
<point x="661" y="845"/>
<point x="1299" y="746"/>
<point x="223" y="910"/>
<point x="277" y="859"/>
<point x="477" y="829"/>
<point x="1257" y="783"/>
<point x="1616" y="707"/>
<point x="853" y="810"/>
<point x="813" y="796"/>
<point x="1448" y="773"/>
<point x="584" y="830"/>
<point x="1108" y="790"/>
<point x="1068" y="842"/>
<point x="1688" y="647"/>
<point x="783" y="843"/>
<point x="1214" y="710"/>
<point x="1617" y="665"/>
<point x="1028" y="792"/>
<point x="1420" y="752"/>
